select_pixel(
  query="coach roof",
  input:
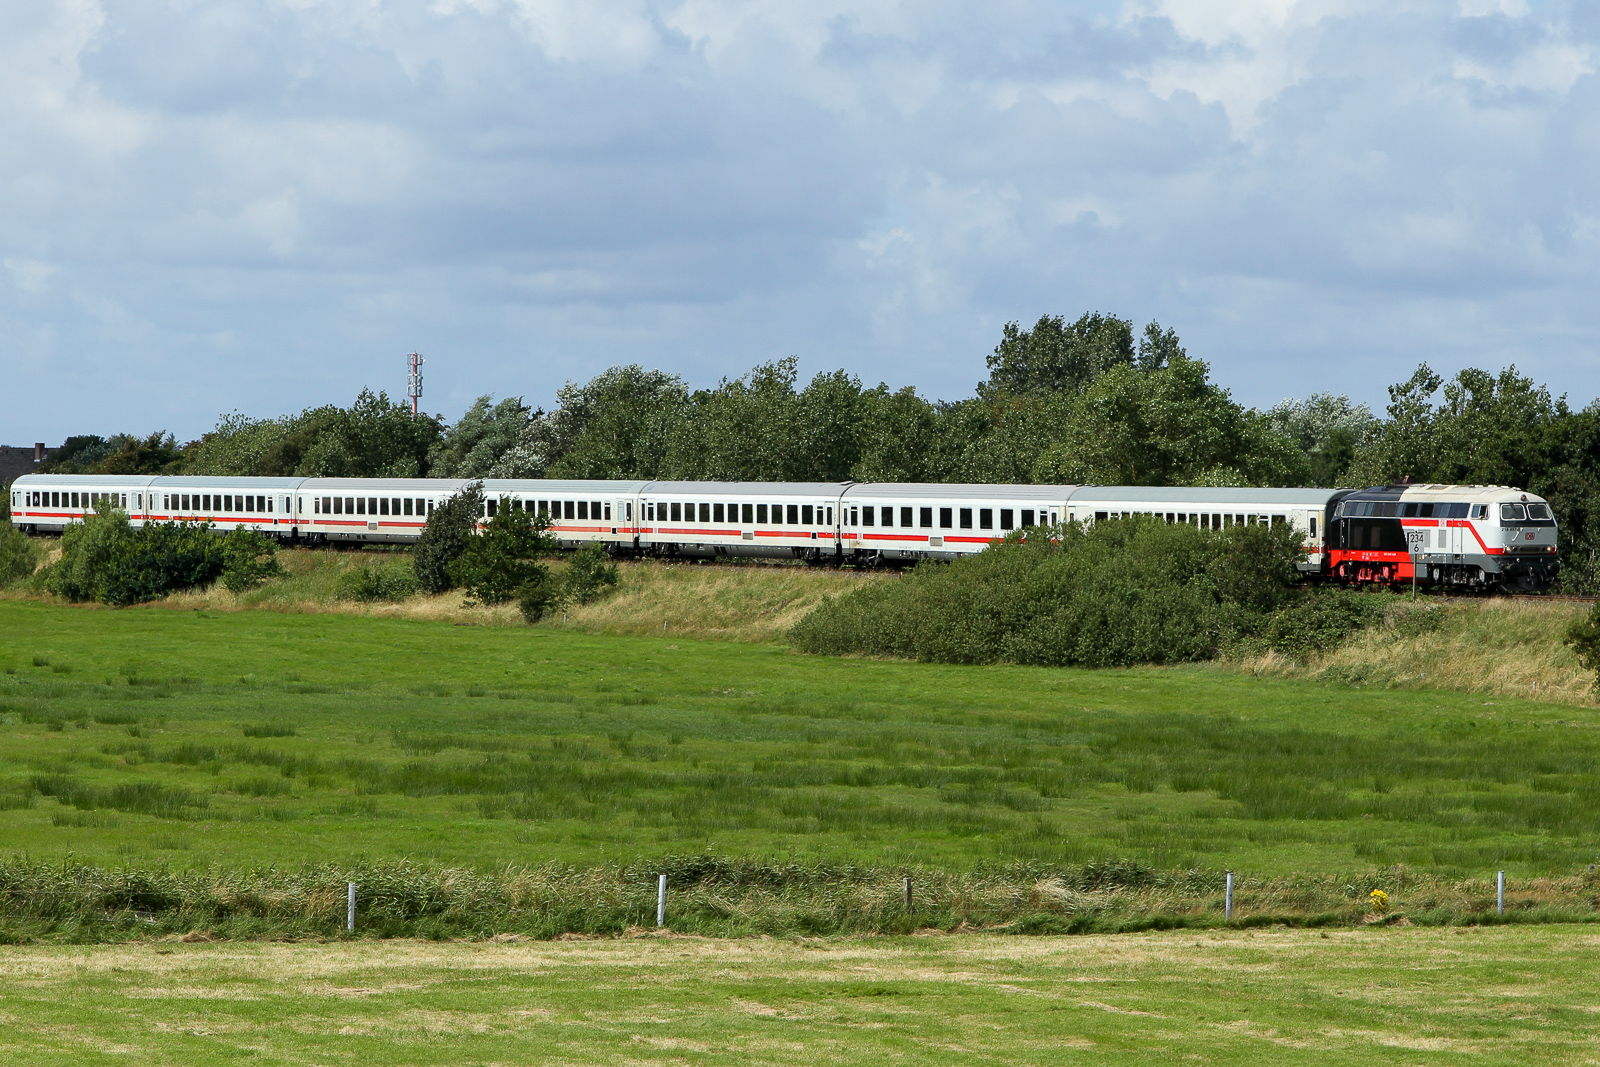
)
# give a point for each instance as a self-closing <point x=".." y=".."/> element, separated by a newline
<point x="1145" y="494"/>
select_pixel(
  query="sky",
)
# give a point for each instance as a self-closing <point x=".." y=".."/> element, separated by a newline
<point x="210" y="206"/>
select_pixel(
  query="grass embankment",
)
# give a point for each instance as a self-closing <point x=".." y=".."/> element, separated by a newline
<point x="156" y="739"/>
<point x="1493" y="647"/>
<point x="1418" y="996"/>
<point x="738" y="602"/>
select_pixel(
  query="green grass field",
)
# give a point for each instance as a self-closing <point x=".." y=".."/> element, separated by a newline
<point x="251" y="739"/>
<point x="1417" y="997"/>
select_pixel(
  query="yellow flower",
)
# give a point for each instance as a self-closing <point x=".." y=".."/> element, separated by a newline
<point x="1380" y="900"/>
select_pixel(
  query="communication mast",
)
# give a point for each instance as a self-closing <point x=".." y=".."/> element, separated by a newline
<point x="414" y="364"/>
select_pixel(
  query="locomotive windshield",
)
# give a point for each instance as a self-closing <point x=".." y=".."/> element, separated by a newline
<point x="1513" y="512"/>
<point x="1538" y="511"/>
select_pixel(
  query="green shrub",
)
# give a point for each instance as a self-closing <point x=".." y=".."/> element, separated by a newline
<point x="17" y="555"/>
<point x="1114" y="594"/>
<point x="106" y="559"/>
<point x="88" y="552"/>
<point x="249" y="558"/>
<point x="161" y="558"/>
<point x="1319" y="621"/>
<point x="539" y="596"/>
<point x="445" y="537"/>
<point x="1584" y="637"/>
<point x="377" y="581"/>
<point x="590" y="574"/>
<point x="503" y="558"/>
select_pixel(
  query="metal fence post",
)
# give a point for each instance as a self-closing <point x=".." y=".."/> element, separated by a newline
<point x="350" y="911"/>
<point x="1500" y="893"/>
<point x="908" y="892"/>
<point x="661" y="901"/>
<point x="1227" y="898"/>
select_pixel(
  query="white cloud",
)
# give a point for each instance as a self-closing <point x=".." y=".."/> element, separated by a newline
<point x="301" y="191"/>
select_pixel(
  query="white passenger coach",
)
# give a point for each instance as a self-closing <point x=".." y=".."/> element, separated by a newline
<point x="850" y="521"/>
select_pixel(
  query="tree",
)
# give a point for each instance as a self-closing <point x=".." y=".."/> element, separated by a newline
<point x="479" y="439"/>
<point x="1327" y="429"/>
<point x="616" y="425"/>
<point x="445" y="537"/>
<point x="504" y="557"/>
<point x="1054" y="357"/>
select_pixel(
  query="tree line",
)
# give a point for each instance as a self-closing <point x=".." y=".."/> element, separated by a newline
<point x="1091" y="400"/>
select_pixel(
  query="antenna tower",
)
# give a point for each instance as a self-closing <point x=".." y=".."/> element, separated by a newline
<point x="414" y="364"/>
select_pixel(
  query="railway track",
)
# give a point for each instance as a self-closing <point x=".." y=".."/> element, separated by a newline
<point x="1553" y="596"/>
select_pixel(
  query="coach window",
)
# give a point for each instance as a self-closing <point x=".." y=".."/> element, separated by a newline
<point x="718" y="511"/>
<point x="966" y="518"/>
<point x="851" y="516"/>
<point x="1005" y="519"/>
<point x="867" y="515"/>
<point x="985" y="518"/>
<point x="761" y="513"/>
<point x="1027" y="517"/>
<point x="926" y="515"/>
<point x="945" y="517"/>
<point x="805" y="515"/>
<point x="830" y="516"/>
<point x="341" y="505"/>
<point x="583" y="509"/>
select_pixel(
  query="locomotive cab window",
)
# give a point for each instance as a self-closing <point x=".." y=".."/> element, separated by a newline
<point x="1513" y="513"/>
<point x="1539" y="512"/>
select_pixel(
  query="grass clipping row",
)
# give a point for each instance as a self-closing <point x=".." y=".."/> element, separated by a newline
<point x="715" y="896"/>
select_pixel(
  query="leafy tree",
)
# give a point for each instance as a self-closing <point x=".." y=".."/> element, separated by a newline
<point x="1055" y="357"/>
<point x="746" y="429"/>
<point x="479" y="439"/>
<point x="616" y="425"/>
<point x="896" y="437"/>
<point x="1327" y="429"/>
<point x="445" y="538"/>
<point x="541" y="594"/>
<point x="158" y="453"/>
<point x="504" y="557"/>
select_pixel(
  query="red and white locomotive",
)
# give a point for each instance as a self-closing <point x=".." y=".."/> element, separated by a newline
<point x="1456" y="535"/>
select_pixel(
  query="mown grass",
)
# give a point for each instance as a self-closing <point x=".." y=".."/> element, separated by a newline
<point x="1494" y="996"/>
<point x="260" y="739"/>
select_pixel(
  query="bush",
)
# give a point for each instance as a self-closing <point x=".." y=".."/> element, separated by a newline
<point x="88" y="551"/>
<point x="17" y="555"/>
<point x="504" y="558"/>
<point x="1115" y="594"/>
<point x="377" y="581"/>
<point x="539" y="596"/>
<point x="1319" y="621"/>
<point x="1584" y="637"/>
<point x="161" y="558"/>
<point x="248" y="559"/>
<point x="108" y="560"/>
<point x="590" y="574"/>
<point x="445" y="538"/>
